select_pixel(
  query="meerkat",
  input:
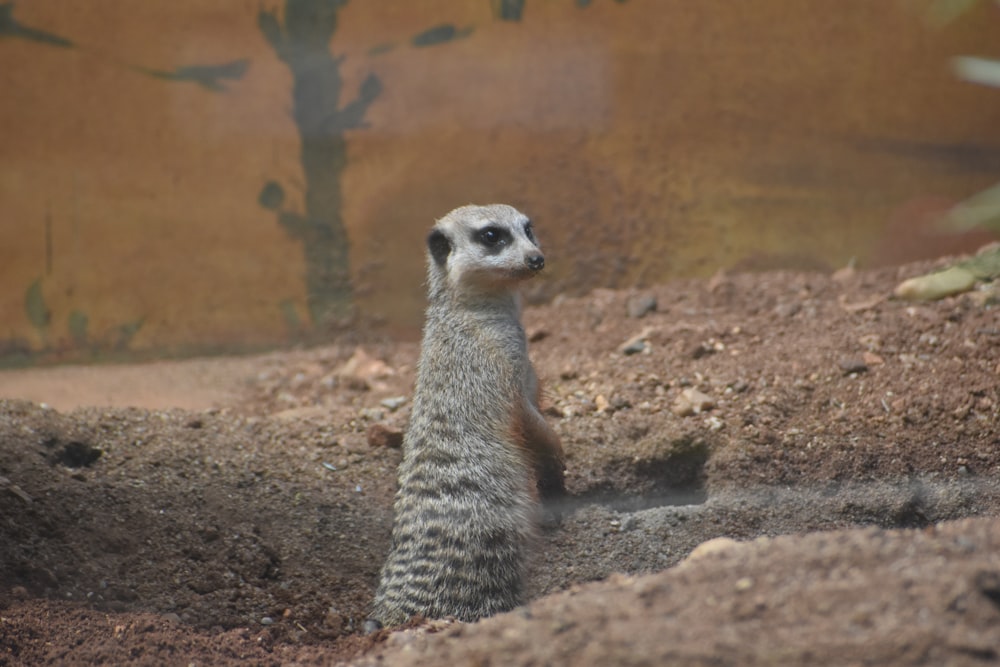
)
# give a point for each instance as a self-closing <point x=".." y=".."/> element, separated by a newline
<point x="478" y="455"/>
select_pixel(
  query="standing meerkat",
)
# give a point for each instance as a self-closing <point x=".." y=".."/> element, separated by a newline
<point x="477" y="454"/>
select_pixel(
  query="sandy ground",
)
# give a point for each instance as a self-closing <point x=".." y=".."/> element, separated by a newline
<point x="834" y="452"/>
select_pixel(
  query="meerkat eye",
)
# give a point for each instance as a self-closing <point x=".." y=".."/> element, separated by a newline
<point x="528" y="231"/>
<point x="492" y="236"/>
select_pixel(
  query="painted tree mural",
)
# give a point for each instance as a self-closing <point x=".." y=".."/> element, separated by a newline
<point x="301" y="39"/>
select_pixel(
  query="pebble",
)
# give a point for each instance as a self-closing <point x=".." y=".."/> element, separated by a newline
<point x="537" y="335"/>
<point x="714" y="546"/>
<point x="786" y="310"/>
<point x="852" y="365"/>
<point x="692" y="402"/>
<point x="640" y="305"/>
<point x="267" y="620"/>
<point x="634" y="347"/>
<point x="393" y="403"/>
<point x="636" y="343"/>
<point x="714" y="423"/>
<point x="872" y="359"/>
<point x="372" y="414"/>
<point x="620" y="402"/>
<point x="379" y="435"/>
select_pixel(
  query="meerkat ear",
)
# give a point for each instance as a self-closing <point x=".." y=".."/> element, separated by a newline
<point x="439" y="246"/>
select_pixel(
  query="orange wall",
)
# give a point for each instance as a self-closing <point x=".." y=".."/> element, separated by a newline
<point x="648" y="138"/>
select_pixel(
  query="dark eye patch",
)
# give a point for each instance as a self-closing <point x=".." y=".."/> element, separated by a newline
<point x="493" y="238"/>
<point x="439" y="246"/>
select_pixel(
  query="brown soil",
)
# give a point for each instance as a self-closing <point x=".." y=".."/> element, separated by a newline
<point x="241" y="512"/>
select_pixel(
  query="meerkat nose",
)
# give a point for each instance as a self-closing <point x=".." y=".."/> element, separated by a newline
<point x="535" y="262"/>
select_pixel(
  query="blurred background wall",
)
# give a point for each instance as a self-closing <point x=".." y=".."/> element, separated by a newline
<point x="187" y="177"/>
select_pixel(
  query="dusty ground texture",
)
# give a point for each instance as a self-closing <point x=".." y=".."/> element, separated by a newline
<point x="850" y="444"/>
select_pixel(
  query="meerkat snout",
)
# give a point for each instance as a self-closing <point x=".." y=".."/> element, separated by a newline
<point x="535" y="261"/>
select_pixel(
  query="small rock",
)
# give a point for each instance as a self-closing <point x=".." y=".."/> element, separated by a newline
<point x="380" y="435"/>
<point x="267" y="620"/>
<point x="537" y="335"/>
<point x="872" y="359"/>
<point x="620" y="402"/>
<point x="362" y="372"/>
<point x="393" y="403"/>
<point x="718" y="545"/>
<point x="786" y="310"/>
<point x="15" y="489"/>
<point x="703" y="350"/>
<point x="740" y="386"/>
<point x="852" y="365"/>
<point x="372" y="414"/>
<point x="692" y="402"/>
<point x="872" y="342"/>
<point x="634" y="347"/>
<point x="601" y="403"/>
<point x="640" y="305"/>
<point x="636" y="343"/>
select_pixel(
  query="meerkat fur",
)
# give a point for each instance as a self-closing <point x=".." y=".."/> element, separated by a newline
<point x="477" y="454"/>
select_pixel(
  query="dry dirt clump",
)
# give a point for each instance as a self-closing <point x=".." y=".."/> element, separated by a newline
<point x="840" y="441"/>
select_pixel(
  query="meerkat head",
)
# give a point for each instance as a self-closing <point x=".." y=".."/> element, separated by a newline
<point x="477" y="249"/>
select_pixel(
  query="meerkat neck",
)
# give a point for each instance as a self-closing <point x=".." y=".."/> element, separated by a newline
<point x="488" y="303"/>
<point x="470" y="298"/>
